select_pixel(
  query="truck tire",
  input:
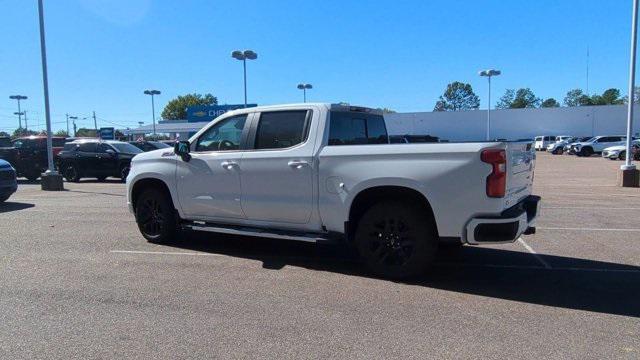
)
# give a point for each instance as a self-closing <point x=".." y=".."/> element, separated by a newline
<point x="396" y="240"/>
<point x="156" y="216"/>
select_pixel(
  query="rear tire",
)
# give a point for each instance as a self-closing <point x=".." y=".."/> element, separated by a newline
<point x="156" y="217"/>
<point x="396" y="240"/>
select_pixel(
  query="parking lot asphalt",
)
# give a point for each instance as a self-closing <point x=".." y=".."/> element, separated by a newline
<point x="78" y="281"/>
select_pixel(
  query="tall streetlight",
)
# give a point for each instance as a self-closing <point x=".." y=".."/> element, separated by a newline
<point x="19" y="113"/>
<point x="489" y="73"/>
<point x="153" y="108"/>
<point x="25" y="118"/>
<point x="304" y="88"/>
<point x="51" y="180"/>
<point x="244" y="56"/>
<point x="73" y="119"/>
<point x="629" y="175"/>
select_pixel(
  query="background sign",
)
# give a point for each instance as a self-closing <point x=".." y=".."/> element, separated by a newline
<point x="107" y="133"/>
<point x="201" y="113"/>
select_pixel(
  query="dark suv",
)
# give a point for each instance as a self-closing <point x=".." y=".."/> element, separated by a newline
<point x="149" y="145"/>
<point x="96" y="159"/>
<point x="31" y="155"/>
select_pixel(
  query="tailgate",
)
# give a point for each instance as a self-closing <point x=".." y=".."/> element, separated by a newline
<point x="520" y="167"/>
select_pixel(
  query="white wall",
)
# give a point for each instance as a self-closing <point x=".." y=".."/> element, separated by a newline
<point x="515" y="123"/>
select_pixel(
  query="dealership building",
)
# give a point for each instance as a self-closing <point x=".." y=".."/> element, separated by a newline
<point x="510" y="124"/>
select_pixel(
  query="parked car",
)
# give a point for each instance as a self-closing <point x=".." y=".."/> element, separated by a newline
<point x="314" y="172"/>
<point x="596" y="144"/>
<point x="96" y="159"/>
<point x="557" y="148"/>
<point x="568" y="149"/>
<point x="149" y="145"/>
<point x="7" y="151"/>
<point x="8" y="182"/>
<point x="619" y="152"/>
<point x="31" y="155"/>
<point x="541" y="142"/>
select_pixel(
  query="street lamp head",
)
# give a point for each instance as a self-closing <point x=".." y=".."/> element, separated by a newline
<point x="250" y="55"/>
<point x="152" y="92"/>
<point x="18" y="97"/>
<point x="489" y="72"/>
<point x="18" y="113"/>
<point x="305" y="86"/>
<point x="238" y="55"/>
<point x="73" y="117"/>
<point x="244" y="55"/>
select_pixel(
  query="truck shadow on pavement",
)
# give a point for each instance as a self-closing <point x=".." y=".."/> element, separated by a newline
<point x="14" y="206"/>
<point x="571" y="283"/>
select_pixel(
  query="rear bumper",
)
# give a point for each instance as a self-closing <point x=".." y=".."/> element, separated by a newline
<point x="506" y="227"/>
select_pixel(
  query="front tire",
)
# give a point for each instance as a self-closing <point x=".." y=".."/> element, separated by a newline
<point x="156" y="216"/>
<point x="71" y="173"/>
<point x="396" y="240"/>
<point x="622" y="155"/>
<point x="586" y="152"/>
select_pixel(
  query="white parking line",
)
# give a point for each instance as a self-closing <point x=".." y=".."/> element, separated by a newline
<point x="163" y="253"/>
<point x="594" y="208"/>
<point x="585" y="229"/>
<point x="530" y="267"/>
<point x="535" y="254"/>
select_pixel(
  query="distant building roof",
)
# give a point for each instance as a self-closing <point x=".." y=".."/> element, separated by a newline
<point x="165" y="128"/>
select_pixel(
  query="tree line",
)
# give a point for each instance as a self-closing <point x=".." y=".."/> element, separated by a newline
<point x="460" y="96"/>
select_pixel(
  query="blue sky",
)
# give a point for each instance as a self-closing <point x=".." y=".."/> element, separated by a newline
<point x="396" y="54"/>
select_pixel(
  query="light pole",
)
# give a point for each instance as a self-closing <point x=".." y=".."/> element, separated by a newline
<point x="19" y="113"/>
<point x="244" y="56"/>
<point x="51" y="180"/>
<point x="489" y="73"/>
<point x="304" y="88"/>
<point x="629" y="175"/>
<point x="153" y="108"/>
<point x="73" y="119"/>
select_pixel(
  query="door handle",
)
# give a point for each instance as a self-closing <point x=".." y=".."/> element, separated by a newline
<point x="228" y="164"/>
<point x="298" y="164"/>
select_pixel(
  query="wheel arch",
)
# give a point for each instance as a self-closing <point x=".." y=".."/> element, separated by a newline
<point x="372" y="195"/>
<point x="146" y="183"/>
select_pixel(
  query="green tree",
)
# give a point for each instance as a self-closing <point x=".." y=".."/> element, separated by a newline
<point x="23" y="132"/>
<point x="550" y="103"/>
<point x="176" y="109"/>
<point x="577" y="97"/>
<point x="4" y="134"/>
<point x="520" y="99"/>
<point x="457" y="96"/>
<point x="636" y="96"/>
<point x="61" y="133"/>
<point x="387" y="110"/>
<point x="608" y="97"/>
<point x="506" y="100"/>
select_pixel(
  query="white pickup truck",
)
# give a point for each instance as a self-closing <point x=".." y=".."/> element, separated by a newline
<point x="315" y="172"/>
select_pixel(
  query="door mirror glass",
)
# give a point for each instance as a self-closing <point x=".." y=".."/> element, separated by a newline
<point x="182" y="149"/>
<point x="110" y="152"/>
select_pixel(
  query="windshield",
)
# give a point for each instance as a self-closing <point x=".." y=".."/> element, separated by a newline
<point x="159" y="145"/>
<point x="126" y="148"/>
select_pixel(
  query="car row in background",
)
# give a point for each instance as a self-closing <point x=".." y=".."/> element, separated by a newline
<point x="98" y="159"/>
<point x="610" y="146"/>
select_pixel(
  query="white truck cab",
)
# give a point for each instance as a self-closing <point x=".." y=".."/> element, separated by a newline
<point x="315" y="172"/>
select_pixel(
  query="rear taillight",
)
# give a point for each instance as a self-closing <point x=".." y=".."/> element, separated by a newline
<point x="497" y="180"/>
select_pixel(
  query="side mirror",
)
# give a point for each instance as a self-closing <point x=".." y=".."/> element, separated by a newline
<point x="111" y="152"/>
<point x="182" y="149"/>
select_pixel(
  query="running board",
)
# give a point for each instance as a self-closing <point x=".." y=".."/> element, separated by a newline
<point x="259" y="232"/>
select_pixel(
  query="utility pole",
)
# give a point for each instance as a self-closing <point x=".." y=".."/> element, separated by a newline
<point x="26" y="125"/>
<point x="95" y="123"/>
<point x="68" y="133"/>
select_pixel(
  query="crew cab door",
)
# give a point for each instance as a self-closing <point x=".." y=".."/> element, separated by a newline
<point x="277" y="169"/>
<point x="209" y="184"/>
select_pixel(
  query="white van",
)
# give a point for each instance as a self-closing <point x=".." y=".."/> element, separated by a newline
<point x="541" y="142"/>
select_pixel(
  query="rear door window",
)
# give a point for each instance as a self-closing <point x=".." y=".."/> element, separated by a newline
<point x="87" y="147"/>
<point x="281" y="129"/>
<point x="355" y="128"/>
